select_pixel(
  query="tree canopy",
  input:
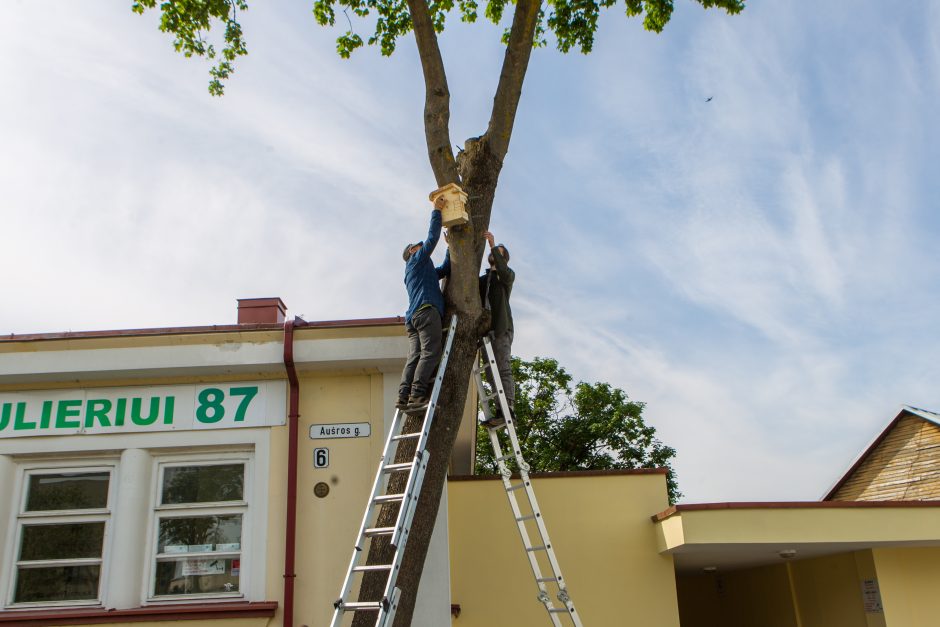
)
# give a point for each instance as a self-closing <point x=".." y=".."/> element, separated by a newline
<point x="573" y="23"/>
<point x="588" y="426"/>
<point x="476" y="168"/>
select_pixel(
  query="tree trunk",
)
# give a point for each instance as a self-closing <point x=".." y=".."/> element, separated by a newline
<point x="479" y="173"/>
<point x="476" y="169"/>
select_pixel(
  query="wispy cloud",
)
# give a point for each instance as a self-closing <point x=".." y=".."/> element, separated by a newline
<point x="760" y="269"/>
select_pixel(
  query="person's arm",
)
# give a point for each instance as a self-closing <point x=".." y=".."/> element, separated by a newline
<point x="444" y="269"/>
<point x="434" y="232"/>
<point x="505" y="274"/>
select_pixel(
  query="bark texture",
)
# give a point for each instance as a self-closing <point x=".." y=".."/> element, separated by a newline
<point x="476" y="168"/>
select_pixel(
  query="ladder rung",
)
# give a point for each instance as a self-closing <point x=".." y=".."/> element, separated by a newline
<point x="546" y="579"/>
<point x="406" y="436"/>
<point x="515" y="487"/>
<point x="378" y="531"/>
<point x="397" y="467"/>
<point x="371" y="569"/>
<point x="361" y="606"/>
<point x="532" y="549"/>
<point x="529" y="517"/>
<point x="558" y="610"/>
<point x="389" y="498"/>
<point x="504" y="458"/>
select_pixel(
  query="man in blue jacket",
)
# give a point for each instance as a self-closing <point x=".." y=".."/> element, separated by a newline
<point x="423" y="318"/>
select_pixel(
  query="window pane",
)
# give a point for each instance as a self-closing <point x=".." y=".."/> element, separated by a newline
<point x="73" y="490"/>
<point x="202" y="484"/>
<point x="60" y="542"/>
<point x="57" y="583"/>
<point x="197" y="576"/>
<point x="200" y="533"/>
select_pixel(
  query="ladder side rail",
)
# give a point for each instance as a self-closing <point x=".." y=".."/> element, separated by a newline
<point x="543" y="596"/>
<point x="523" y="466"/>
<point x="530" y="492"/>
<point x="406" y="511"/>
<point x="412" y="503"/>
<point x="490" y="358"/>
<point x="412" y="487"/>
<point x="550" y="551"/>
<point x="386" y="617"/>
<point x="409" y="506"/>
<point x="425" y="432"/>
<point x="358" y="549"/>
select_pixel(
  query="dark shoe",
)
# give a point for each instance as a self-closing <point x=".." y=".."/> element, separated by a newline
<point x="402" y="403"/>
<point x="416" y="403"/>
<point x="494" y="421"/>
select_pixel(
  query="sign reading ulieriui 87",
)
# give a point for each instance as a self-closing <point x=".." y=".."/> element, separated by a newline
<point x="134" y="410"/>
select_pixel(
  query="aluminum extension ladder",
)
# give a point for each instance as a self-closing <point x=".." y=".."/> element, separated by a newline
<point x="385" y="608"/>
<point x="486" y="362"/>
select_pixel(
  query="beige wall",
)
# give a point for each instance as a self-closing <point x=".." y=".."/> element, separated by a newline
<point x="222" y="622"/>
<point x="601" y="530"/>
<point x="910" y="580"/>
<point x="828" y="590"/>
<point x="327" y="527"/>
<point x="756" y="596"/>
<point x="820" y="592"/>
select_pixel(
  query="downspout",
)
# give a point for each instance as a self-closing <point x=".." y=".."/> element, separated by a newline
<point x="293" y="418"/>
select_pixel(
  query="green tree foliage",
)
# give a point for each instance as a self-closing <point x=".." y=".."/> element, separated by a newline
<point x="591" y="426"/>
<point x="573" y="23"/>
<point x="189" y="21"/>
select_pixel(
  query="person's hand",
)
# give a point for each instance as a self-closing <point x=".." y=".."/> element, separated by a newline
<point x="439" y="203"/>
<point x="489" y="238"/>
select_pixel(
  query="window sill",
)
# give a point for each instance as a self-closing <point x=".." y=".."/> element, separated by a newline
<point x="179" y="611"/>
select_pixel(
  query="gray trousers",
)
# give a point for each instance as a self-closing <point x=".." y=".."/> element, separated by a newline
<point x="424" y="353"/>
<point x="502" y="350"/>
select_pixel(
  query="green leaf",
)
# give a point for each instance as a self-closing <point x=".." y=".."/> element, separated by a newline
<point x="592" y="426"/>
<point x="191" y="22"/>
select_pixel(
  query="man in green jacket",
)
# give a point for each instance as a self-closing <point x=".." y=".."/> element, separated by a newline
<point x="495" y="288"/>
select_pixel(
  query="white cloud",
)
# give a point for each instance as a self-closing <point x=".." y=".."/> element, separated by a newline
<point x="759" y="269"/>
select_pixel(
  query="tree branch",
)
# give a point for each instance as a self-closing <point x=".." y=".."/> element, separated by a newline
<point x="437" y="96"/>
<point x="515" y="64"/>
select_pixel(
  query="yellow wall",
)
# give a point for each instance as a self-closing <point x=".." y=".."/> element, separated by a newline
<point x="699" y="599"/>
<point x="277" y="516"/>
<point x="603" y="538"/>
<point x="327" y="527"/>
<point x="910" y="580"/>
<point x="828" y="590"/>
<point x="819" y="592"/>
<point x="222" y="622"/>
<point x="756" y="596"/>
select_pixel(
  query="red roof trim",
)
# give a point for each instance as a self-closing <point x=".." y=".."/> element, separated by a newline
<point x="568" y="473"/>
<point x="698" y="507"/>
<point x="216" y="328"/>
<point x="176" y="611"/>
<point x="861" y="458"/>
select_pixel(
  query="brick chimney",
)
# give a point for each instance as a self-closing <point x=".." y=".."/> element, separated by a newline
<point x="261" y="310"/>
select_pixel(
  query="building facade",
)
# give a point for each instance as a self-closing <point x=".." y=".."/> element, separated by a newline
<point x="218" y="475"/>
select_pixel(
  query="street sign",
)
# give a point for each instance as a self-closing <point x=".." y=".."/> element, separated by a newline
<point x="340" y="430"/>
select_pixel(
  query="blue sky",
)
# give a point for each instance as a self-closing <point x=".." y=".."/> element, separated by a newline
<point x="759" y="269"/>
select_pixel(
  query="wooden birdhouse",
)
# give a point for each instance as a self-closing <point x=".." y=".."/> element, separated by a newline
<point x="455" y="207"/>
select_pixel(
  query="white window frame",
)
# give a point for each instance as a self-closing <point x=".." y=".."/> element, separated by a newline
<point x="186" y="510"/>
<point x="23" y="518"/>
